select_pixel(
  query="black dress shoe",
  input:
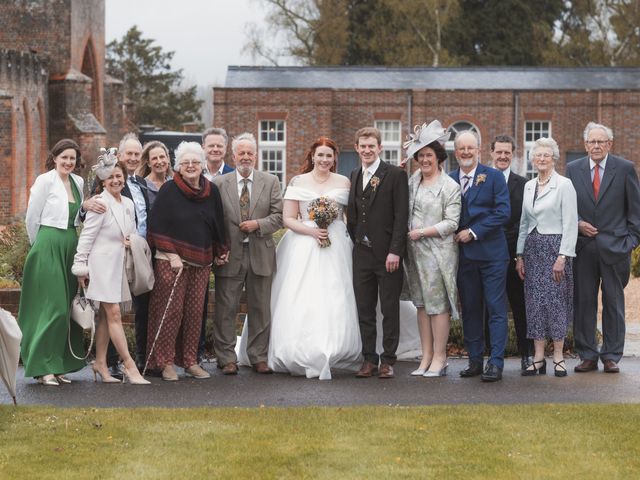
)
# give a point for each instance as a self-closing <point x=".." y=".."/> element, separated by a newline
<point x="491" y="373"/>
<point x="473" y="370"/>
<point x="115" y="372"/>
<point x="525" y="362"/>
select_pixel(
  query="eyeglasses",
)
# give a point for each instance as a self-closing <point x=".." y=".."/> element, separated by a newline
<point x="593" y="143"/>
<point x="189" y="163"/>
<point x="543" y="155"/>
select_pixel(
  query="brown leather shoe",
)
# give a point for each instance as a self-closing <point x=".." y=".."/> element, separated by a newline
<point x="586" y="366"/>
<point x="610" y="366"/>
<point x="367" y="370"/>
<point x="230" y="369"/>
<point x="386" y="371"/>
<point x="261" y="367"/>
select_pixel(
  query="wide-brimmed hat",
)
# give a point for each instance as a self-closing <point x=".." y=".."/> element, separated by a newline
<point x="106" y="163"/>
<point x="423" y="135"/>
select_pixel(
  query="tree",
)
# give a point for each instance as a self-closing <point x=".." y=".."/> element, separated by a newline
<point x="503" y="32"/>
<point x="156" y="89"/>
<point x="355" y="32"/>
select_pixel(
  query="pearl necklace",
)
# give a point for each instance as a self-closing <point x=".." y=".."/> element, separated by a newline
<point x="544" y="182"/>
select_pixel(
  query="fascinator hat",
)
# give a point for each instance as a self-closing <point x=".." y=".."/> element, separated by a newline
<point x="106" y="163"/>
<point x="423" y="135"/>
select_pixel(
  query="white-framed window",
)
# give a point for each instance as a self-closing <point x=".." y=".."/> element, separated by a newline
<point x="454" y="129"/>
<point x="390" y="131"/>
<point x="533" y="130"/>
<point x="272" y="147"/>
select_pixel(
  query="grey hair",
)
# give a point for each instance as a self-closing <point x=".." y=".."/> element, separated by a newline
<point x="544" y="142"/>
<point x="215" y="131"/>
<point x="189" y="147"/>
<point x="594" y="126"/>
<point x="471" y="132"/>
<point x="244" y="137"/>
<point x="126" y="138"/>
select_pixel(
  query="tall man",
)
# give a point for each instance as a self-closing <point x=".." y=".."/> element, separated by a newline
<point x="502" y="149"/>
<point x="377" y="217"/>
<point x="135" y="188"/>
<point x="214" y="143"/>
<point x="484" y="257"/>
<point x="608" y="230"/>
<point x="252" y="203"/>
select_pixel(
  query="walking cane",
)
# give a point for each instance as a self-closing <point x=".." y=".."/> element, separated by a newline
<point x="153" y="345"/>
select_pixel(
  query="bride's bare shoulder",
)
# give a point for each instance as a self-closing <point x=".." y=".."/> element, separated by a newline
<point x="302" y="180"/>
<point x="340" y="181"/>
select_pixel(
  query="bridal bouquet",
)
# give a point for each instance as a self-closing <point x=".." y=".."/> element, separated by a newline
<point x="323" y="211"/>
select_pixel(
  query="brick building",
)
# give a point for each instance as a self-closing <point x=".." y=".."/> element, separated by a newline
<point x="288" y="107"/>
<point x="52" y="85"/>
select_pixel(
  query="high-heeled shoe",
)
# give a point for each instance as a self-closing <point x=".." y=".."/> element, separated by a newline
<point x="48" y="380"/>
<point x="436" y="373"/>
<point x="104" y="377"/>
<point x="560" y="368"/>
<point x="62" y="379"/>
<point x="535" y="370"/>
<point x="418" y="372"/>
<point x="135" y="379"/>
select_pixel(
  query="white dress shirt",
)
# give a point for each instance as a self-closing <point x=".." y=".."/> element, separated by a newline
<point x="140" y="205"/>
<point x="372" y="170"/>
<point x="602" y="165"/>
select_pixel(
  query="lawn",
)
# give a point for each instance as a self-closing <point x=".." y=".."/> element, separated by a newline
<point x="443" y="442"/>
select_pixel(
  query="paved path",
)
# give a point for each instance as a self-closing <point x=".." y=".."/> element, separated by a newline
<point x="249" y="389"/>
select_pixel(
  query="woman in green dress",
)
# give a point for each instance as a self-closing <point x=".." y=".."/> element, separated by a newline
<point x="48" y="286"/>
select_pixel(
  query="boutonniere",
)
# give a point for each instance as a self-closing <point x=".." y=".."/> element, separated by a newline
<point x="375" y="181"/>
<point x="481" y="178"/>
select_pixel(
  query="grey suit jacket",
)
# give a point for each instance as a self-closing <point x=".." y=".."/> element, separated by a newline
<point x="265" y="206"/>
<point x="616" y="213"/>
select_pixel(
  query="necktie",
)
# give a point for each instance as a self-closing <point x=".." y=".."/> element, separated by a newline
<point x="466" y="183"/>
<point x="365" y="179"/>
<point x="244" y="201"/>
<point x="596" y="181"/>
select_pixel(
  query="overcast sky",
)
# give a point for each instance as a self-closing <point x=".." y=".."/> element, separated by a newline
<point x="206" y="35"/>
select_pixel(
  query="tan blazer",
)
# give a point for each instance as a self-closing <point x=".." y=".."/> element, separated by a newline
<point x="266" y="207"/>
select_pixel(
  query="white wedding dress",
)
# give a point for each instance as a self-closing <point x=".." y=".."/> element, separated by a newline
<point x="314" y="318"/>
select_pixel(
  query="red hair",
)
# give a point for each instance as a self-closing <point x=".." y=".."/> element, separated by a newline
<point x="307" y="165"/>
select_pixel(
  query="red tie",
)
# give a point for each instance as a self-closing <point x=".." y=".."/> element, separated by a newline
<point x="596" y="181"/>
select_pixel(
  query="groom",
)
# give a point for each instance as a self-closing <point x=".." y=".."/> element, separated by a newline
<point x="377" y="217"/>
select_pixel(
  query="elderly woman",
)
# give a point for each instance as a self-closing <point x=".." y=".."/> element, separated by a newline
<point x="432" y="257"/>
<point x="546" y="245"/>
<point x="48" y="285"/>
<point x="186" y="226"/>
<point x="154" y="167"/>
<point x="99" y="264"/>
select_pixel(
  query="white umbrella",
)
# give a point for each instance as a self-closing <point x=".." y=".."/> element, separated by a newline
<point x="10" y="336"/>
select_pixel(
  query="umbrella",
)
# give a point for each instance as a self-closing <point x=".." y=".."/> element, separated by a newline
<point x="10" y="336"/>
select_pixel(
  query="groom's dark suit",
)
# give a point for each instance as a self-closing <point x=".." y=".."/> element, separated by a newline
<point x="377" y="219"/>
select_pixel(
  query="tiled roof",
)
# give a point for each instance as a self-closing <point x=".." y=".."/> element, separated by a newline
<point x="462" y="78"/>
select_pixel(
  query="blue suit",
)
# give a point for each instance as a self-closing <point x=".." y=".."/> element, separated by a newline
<point x="483" y="262"/>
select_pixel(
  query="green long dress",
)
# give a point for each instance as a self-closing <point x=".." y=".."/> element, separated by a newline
<point x="48" y="287"/>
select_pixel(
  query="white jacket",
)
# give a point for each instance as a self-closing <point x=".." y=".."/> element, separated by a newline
<point x="49" y="204"/>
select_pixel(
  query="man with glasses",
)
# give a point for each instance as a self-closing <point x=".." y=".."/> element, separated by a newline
<point x="484" y="257"/>
<point x="608" y="230"/>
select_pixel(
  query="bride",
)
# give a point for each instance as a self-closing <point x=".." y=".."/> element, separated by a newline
<point x="314" y="320"/>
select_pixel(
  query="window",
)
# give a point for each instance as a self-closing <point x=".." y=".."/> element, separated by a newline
<point x="273" y="148"/>
<point x="456" y="128"/>
<point x="533" y="130"/>
<point x="391" y="140"/>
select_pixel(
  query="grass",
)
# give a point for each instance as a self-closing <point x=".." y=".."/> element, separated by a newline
<point x="475" y="442"/>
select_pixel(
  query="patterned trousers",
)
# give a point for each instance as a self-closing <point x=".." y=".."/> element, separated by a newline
<point x="177" y="342"/>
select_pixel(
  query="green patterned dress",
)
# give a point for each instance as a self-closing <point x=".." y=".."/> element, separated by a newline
<point x="48" y="287"/>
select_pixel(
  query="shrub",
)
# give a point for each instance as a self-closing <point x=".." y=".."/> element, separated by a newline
<point x="635" y="262"/>
<point x="14" y="246"/>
